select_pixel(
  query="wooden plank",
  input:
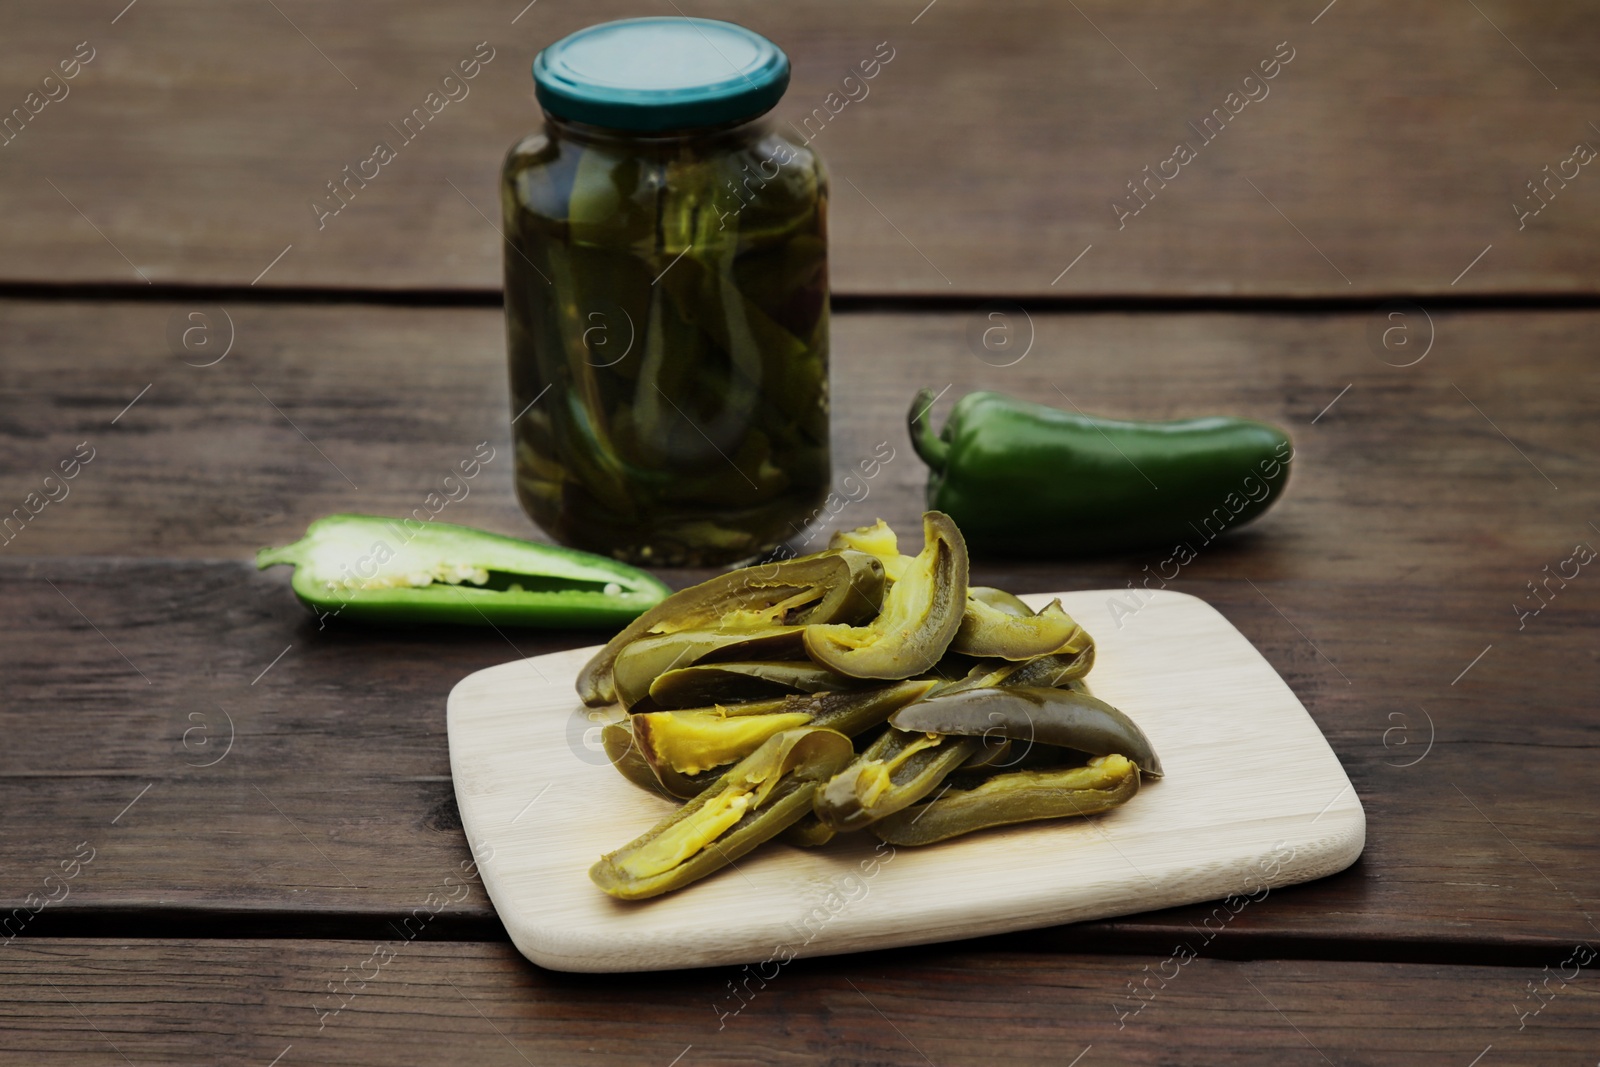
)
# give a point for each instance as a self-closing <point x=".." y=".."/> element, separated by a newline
<point x="334" y="803"/>
<point x="183" y="1002"/>
<point x="985" y="157"/>
<point x="216" y="461"/>
<point x="1392" y="563"/>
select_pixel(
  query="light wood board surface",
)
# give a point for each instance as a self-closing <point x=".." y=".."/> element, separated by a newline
<point x="1253" y="798"/>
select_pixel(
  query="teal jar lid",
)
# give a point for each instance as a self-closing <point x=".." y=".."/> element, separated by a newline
<point x="660" y="74"/>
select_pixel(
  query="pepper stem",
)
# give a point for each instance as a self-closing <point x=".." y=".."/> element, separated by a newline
<point x="935" y="452"/>
<point x="269" y="557"/>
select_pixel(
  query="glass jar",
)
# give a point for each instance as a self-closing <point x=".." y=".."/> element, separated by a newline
<point x="667" y="298"/>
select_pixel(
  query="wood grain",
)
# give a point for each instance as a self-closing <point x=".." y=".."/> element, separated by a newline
<point x="1410" y="527"/>
<point x="233" y="771"/>
<point x="203" y="1002"/>
<point x="335" y="804"/>
<point x="984" y="158"/>
<point x="1252" y="800"/>
<point x="1425" y="476"/>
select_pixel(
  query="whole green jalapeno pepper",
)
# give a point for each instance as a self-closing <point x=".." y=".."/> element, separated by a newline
<point x="1029" y="480"/>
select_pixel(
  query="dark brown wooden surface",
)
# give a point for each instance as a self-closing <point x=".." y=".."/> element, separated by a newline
<point x="1405" y="479"/>
<point x="183" y="1002"/>
<point x="1411" y="527"/>
<point x="334" y="796"/>
<point x="984" y="158"/>
<point x="263" y="800"/>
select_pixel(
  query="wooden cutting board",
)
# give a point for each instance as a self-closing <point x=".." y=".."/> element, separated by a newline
<point x="1253" y="798"/>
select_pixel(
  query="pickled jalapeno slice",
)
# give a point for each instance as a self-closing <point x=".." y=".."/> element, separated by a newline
<point x="676" y="746"/>
<point x="642" y="662"/>
<point x="853" y="711"/>
<point x="999" y="625"/>
<point x="920" y="615"/>
<point x="897" y="769"/>
<point x="992" y="753"/>
<point x="1061" y="717"/>
<point x="696" y="740"/>
<point x="713" y="683"/>
<point x="809" y="832"/>
<point x="758" y="798"/>
<point x="851" y="592"/>
<point x="877" y="540"/>
<point x="625" y="754"/>
<point x="827" y="587"/>
<point x="1059" y="670"/>
<point x="1016" y="797"/>
<point x="1000" y="600"/>
<point x="997" y="673"/>
<point x="969" y="709"/>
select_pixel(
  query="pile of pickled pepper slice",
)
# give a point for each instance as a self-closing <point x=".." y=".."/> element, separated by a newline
<point x="854" y="689"/>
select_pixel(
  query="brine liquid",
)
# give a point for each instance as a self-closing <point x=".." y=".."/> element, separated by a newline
<point x="667" y="324"/>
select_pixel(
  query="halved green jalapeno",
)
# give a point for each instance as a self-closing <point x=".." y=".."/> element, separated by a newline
<point x="1020" y="796"/>
<point x="1061" y="717"/>
<point x="763" y="794"/>
<point x="921" y="613"/>
<point x="402" y="571"/>
<point x="829" y="587"/>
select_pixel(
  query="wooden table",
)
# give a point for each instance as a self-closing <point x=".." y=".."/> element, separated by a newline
<point x="215" y="813"/>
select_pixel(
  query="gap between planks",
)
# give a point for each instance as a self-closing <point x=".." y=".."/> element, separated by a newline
<point x="162" y="293"/>
<point x="1108" y="938"/>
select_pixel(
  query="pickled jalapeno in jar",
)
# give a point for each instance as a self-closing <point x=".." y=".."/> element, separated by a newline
<point x="666" y="297"/>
